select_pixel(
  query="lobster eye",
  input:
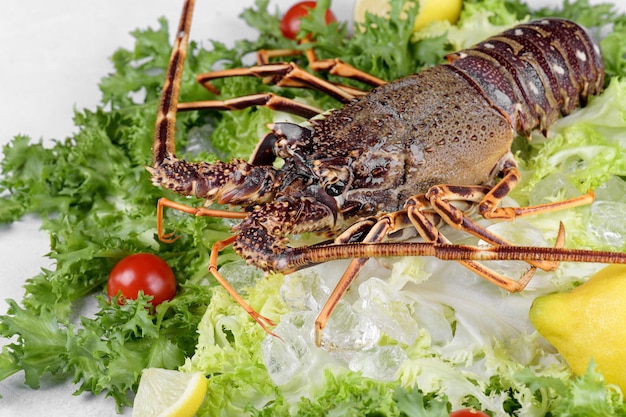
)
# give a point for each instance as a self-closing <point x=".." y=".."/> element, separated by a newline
<point x="335" y="188"/>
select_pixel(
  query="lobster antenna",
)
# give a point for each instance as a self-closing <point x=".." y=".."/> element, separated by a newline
<point x="165" y="131"/>
<point x="300" y="258"/>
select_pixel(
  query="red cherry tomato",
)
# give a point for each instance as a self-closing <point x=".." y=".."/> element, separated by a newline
<point x="468" y="412"/>
<point x="290" y="23"/>
<point x="142" y="272"/>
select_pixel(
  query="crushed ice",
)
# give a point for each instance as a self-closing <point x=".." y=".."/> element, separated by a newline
<point x="414" y="301"/>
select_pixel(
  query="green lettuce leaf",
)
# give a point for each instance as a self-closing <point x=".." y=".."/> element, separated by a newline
<point x="580" y="396"/>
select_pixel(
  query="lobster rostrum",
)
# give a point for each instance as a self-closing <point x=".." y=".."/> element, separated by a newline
<point x="393" y="163"/>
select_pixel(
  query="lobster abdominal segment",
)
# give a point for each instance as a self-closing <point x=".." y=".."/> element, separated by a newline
<point x="535" y="72"/>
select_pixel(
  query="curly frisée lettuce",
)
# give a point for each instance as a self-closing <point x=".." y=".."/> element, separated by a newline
<point x="414" y="336"/>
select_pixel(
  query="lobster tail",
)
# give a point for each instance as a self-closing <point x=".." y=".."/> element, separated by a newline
<point x="534" y="72"/>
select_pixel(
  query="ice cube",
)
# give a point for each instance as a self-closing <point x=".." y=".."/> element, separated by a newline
<point x="612" y="190"/>
<point x="304" y="290"/>
<point x="288" y="355"/>
<point x="240" y="275"/>
<point x="552" y="186"/>
<point x="384" y="307"/>
<point x="380" y="362"/>
<point x="606" y="223"/>
<point x="349" y="330"/>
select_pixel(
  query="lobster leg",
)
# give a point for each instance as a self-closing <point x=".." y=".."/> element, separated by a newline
<point x="195" y="211"/>
<point x="431" y="234"/>
<point x="283" y="75"/>
<point x="394" y="222"/>
<point x="264" y="56"/>
<point x="263" y="321"/>
<point x="377" y="233"/>
<point x="274" y="73"/>
<point x="332" y="66"/>
<point x="268" y="100"/>
<point x="489" y="209"/>
<point x="440" y="198"/>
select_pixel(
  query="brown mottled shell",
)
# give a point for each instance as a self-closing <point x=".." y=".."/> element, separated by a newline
<point x="413" y="133"/>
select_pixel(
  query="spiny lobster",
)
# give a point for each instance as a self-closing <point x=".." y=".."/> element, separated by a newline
<point x="397" y="160"/>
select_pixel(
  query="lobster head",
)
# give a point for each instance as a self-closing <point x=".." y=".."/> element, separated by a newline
<point x="295" y="195"/>
<point x="302" y="176"/>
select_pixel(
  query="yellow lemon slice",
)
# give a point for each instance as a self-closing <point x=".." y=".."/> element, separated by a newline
<point x="587" y="323"/>
<point x="163" y="393"/>
<point x="429" y="10"/>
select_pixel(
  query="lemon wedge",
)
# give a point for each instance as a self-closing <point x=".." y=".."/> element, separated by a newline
<point x="429" y="10"/>
<point x="163" y="393"/>
<point x="588" y="323"/>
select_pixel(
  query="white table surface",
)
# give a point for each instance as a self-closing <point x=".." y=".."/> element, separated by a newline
<point x="53" y="55"/>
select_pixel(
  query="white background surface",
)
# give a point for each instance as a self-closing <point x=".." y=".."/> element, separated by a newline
<point x="53" y="55"/>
